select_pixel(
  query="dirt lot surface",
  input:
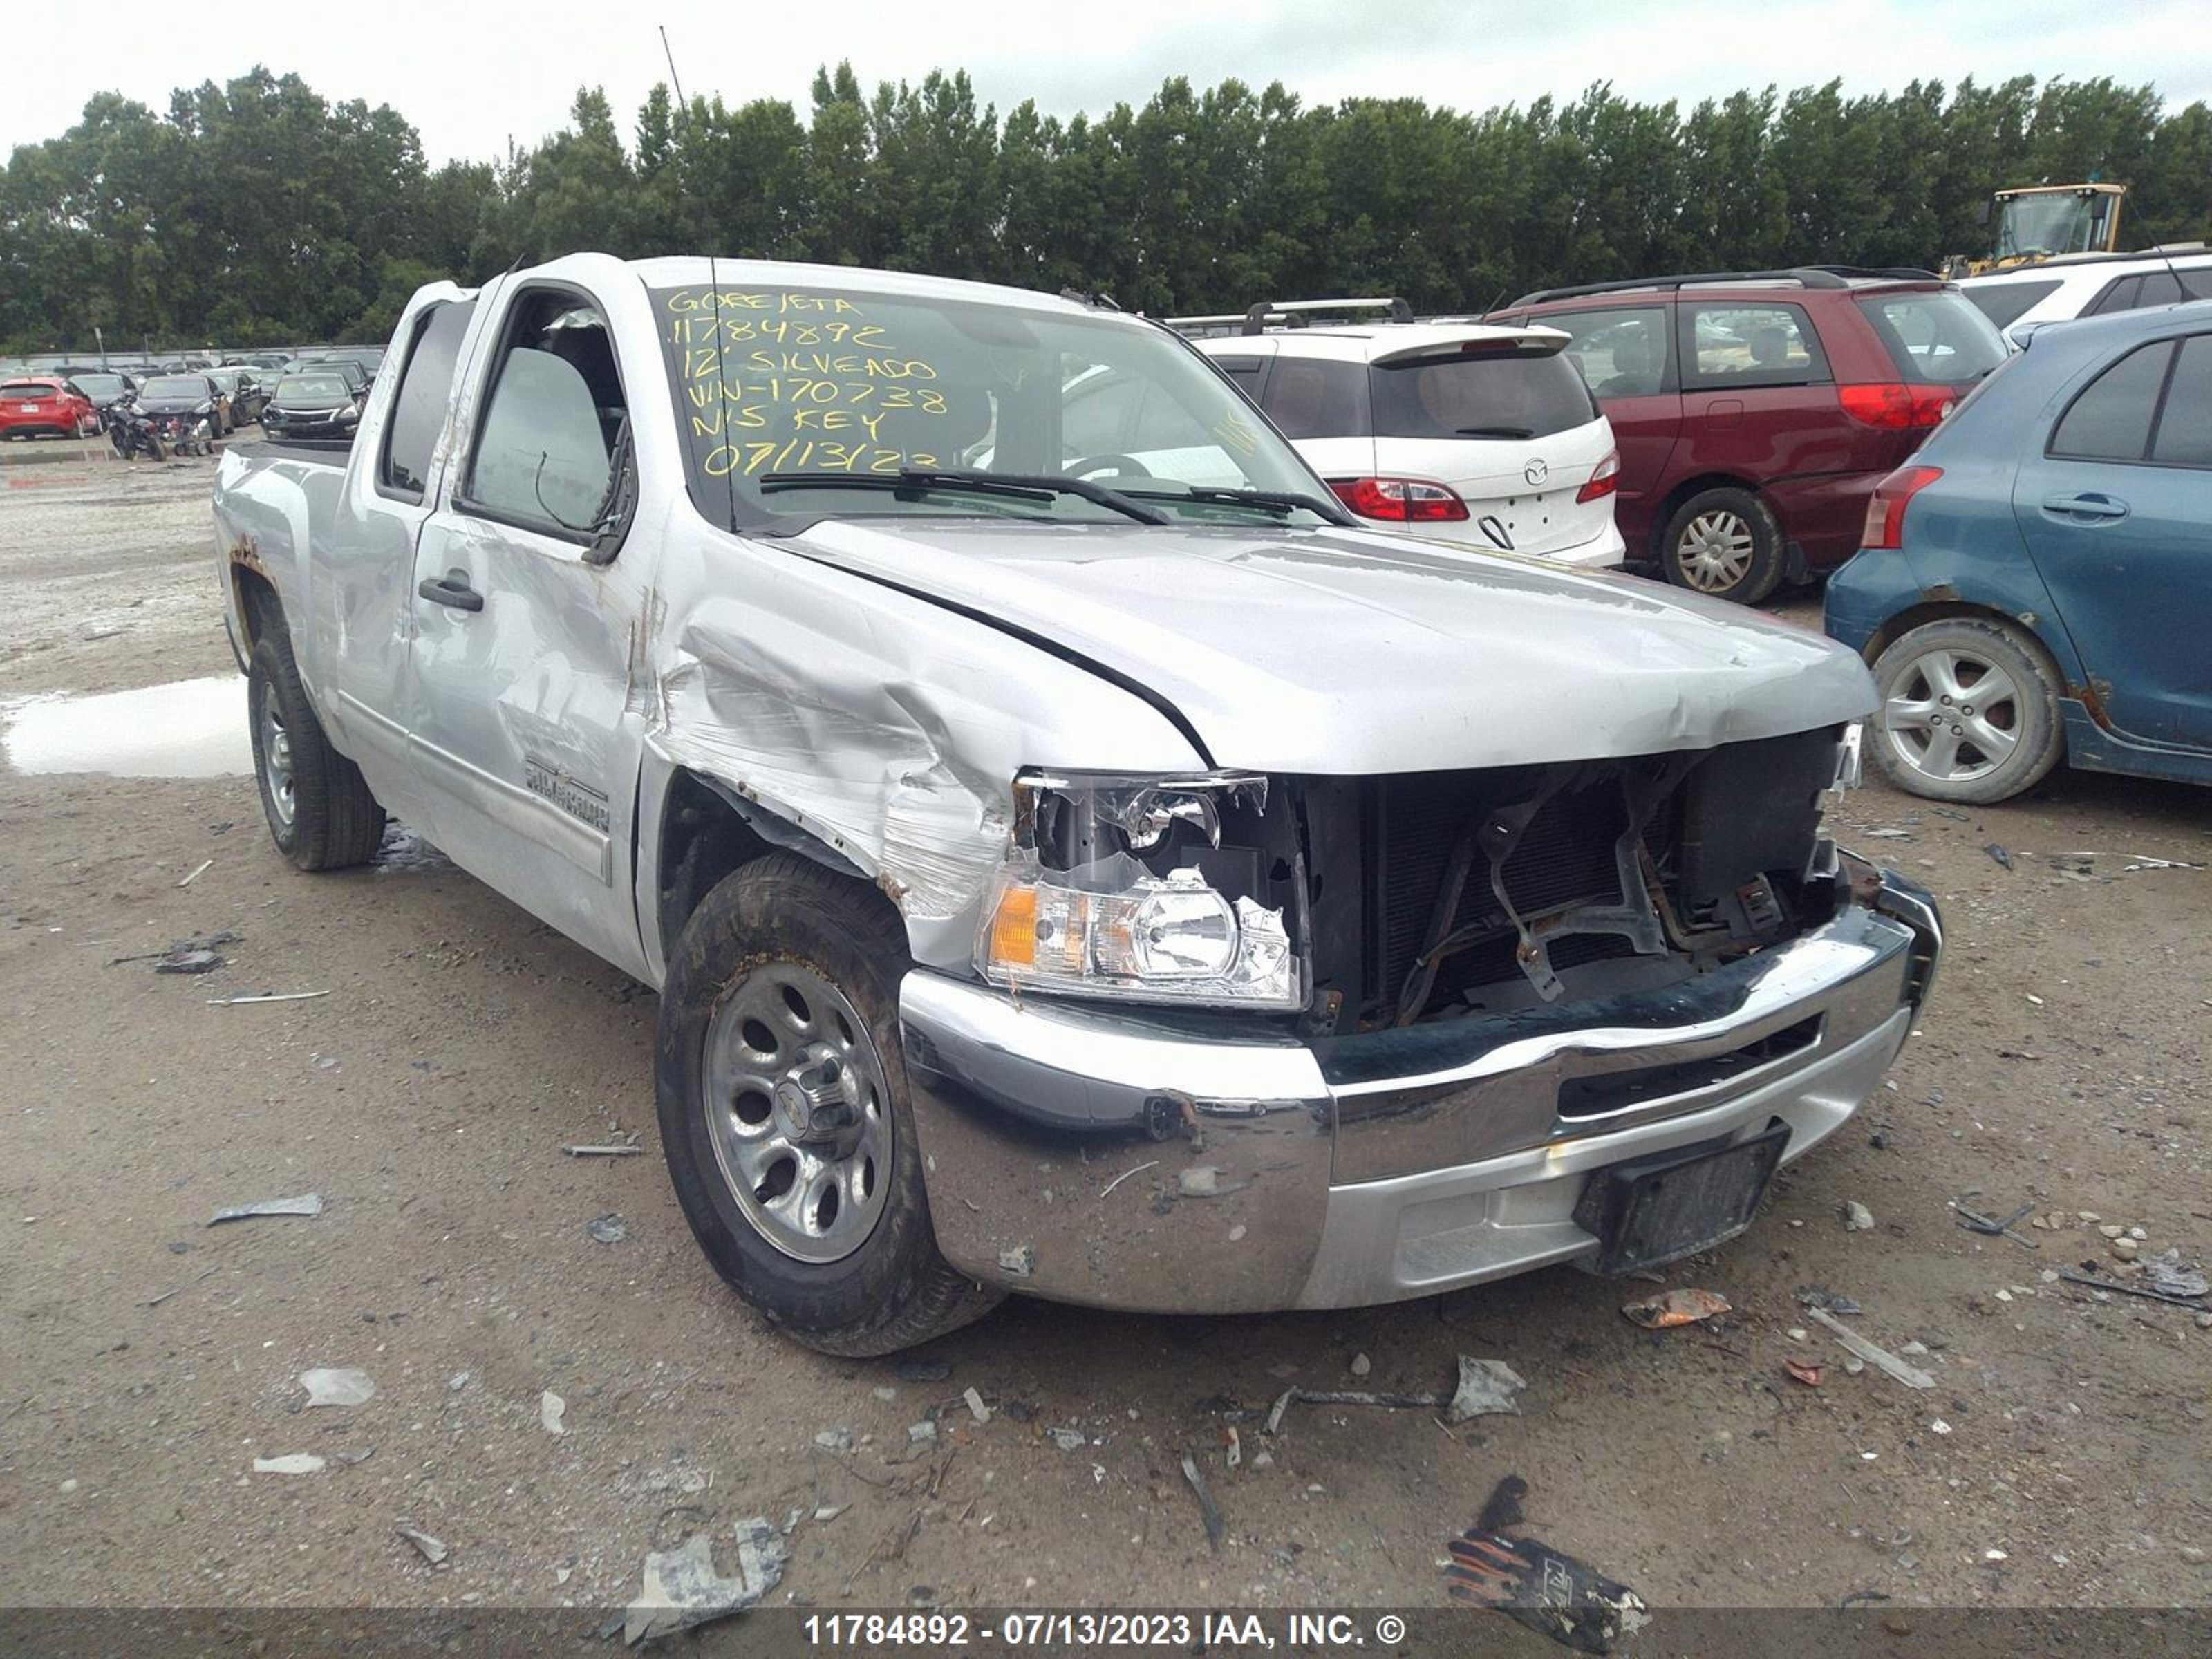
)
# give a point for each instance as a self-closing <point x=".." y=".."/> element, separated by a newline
<point x="147" y="1360"/>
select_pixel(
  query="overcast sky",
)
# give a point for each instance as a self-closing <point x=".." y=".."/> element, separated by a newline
<point x="470" y="74"/>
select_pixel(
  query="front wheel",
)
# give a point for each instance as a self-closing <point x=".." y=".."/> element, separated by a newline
<point x="321" y="814"/>
<point x="1969" y="712"/>
<point x="1726" y="542"/>
<point x="783" y="1103"/>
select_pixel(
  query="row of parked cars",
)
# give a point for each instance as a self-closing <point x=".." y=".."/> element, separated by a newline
<point x="318" y="394"/>
<point x="1726" y="427"/>
<point x="2025" y="557"/>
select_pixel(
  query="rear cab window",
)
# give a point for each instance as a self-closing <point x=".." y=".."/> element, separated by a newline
<point x="1730" y="343"/>
<point x="418" y="410"/>
<point x="1935" y="339"/>
<point x="1499" y="389"/>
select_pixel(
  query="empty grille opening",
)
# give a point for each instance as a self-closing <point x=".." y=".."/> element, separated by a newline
<point x="1566" y="857"/>
<point x="1611" y="1091"/>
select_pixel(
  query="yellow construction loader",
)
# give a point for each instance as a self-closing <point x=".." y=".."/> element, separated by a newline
<point x="2037" y="222"/>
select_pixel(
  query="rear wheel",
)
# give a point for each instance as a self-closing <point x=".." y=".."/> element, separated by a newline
<point x="1969" y="712"/>
<point x="1726" y="542"/>
<point x="321" y="814"/>
<point x="784" y="1116"/>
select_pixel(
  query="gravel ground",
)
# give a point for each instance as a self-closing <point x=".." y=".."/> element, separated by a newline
<point x="147" y="1359"/>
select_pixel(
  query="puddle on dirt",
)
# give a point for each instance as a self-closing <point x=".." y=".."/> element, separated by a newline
<point x="191" y="729"/>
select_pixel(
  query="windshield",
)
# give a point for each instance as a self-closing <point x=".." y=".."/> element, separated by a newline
<point x="805" y="386"/>
<point x="1507" y="393"/>
<point x="2043" y="224"/>
<point x="312" y="391"/>
<point x="1938" y="338"/>
<point x="179" y="386"/>
<point x="28" y="390"/>
<point x="102" y="387"/>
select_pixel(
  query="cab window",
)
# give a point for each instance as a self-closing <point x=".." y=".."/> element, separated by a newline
<point x="418" y="409"/>
<point x="555" y="423"/>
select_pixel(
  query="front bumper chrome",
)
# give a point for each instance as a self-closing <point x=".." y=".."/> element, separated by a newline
<point x="1083" y="1154"/>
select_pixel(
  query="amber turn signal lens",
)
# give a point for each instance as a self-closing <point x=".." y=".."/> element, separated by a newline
<point x="1013" y="928"/>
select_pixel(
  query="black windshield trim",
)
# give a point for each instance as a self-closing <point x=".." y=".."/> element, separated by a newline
<point x="1229" y="495"/>
<point x="1032" y="486"/>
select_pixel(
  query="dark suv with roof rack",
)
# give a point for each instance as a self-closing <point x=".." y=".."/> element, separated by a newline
<point x="1756" y="410"/>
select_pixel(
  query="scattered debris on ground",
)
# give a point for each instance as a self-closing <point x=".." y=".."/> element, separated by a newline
<point x="1550" y="1593"/>
<point x="1805" y="1372"/>
<point x="603" y="1151"/>
<point x="1819" y="1295"/>
<point x="550" y="1409"/>
<point x="306" y="1204"/>
<point x="289" y="1463"/>
<point x="1486" y="1387"/>
<point x="328" y="1387"/>
<point x="1501" y="1512"/>
<point x="976" y="1408"/>
<point x="1998" y="855"/>
<point x="266" y="996"/>
<point x="1992" y="1226"/>
<point x="1216" y="1528"/>
<point x="191" y="962"/>
<point x="2170" y="1278"/>
<point x="835" y="1440"/>
<point x="1682" y="1306"/>
<point x="431" y="1550"/>
<point x="608" y="1229"/>
<point x="681" y="1589"/>
<point x="1911" y="1375"/>
<point x="1857" y="1218"/>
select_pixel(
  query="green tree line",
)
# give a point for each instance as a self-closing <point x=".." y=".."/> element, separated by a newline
<point x="258" y="211"/>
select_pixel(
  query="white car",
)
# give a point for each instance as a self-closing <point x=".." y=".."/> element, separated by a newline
<point x="2024" y="298"/>
<point x="1460" y="432"/>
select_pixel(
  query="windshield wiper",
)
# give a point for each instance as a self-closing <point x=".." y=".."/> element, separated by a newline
<point x="1273" y="501"/>
<point x="1498" y="432"/>
<point x="1021" y="486"/>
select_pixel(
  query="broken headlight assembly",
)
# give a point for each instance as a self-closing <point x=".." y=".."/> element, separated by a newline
<point x="1155" y="889"/>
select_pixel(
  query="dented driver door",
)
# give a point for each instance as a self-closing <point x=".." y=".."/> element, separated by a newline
<point x="524" y="740"/>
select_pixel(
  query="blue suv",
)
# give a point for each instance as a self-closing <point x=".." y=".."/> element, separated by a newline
<point x="2037" y="582"/>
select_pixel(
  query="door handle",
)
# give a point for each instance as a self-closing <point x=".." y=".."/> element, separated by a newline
<point x="2086" y="510"/>
<point x="453" y="590"/>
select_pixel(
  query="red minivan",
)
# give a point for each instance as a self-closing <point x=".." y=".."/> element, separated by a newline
<point x="1756" y="410"/>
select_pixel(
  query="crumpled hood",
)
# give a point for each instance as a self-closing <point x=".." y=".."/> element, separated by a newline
<point x="1347" y="651"/>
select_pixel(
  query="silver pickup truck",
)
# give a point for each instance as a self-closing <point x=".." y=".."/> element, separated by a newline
<point x="1075" y="855"/>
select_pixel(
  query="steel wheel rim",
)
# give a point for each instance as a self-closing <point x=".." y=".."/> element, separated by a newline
<point x="814" y="1193"/>
<point x="276" y="758"/>
<point x="1953" y="715"/>
<point x="1716" y="551"/>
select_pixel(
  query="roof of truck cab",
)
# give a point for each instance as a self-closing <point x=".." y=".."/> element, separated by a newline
<point x="1366" y="343"/>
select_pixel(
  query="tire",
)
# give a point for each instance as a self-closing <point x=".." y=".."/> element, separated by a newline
<point x="1726" y="544"/>
<point x="320" y="812"/>
<point x="1924" y="734"/>
<point x="869" y="1280"/>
